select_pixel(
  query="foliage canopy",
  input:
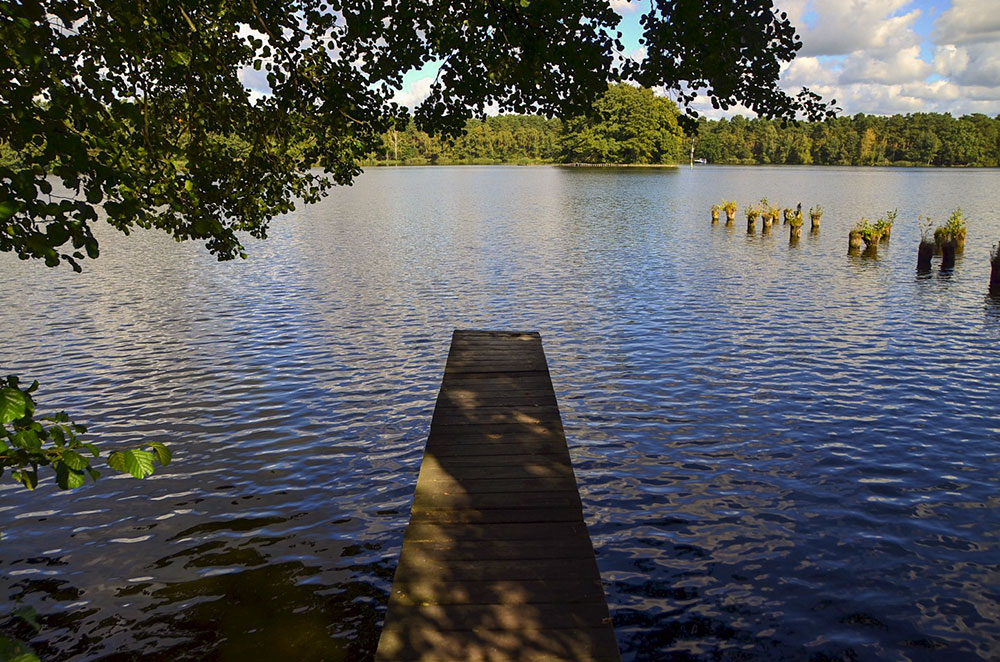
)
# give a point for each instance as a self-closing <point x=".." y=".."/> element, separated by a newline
<point x="629" y="125"/>
<point x="133" y="104"/>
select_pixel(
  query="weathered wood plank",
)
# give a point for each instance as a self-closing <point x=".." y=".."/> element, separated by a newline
<point x="554" y="457"/>
<point x="450" y="450"/>
<point x="471" y="550"/>
<point x="496" y="562"/>
<point x="458" y="532"/>
<point x="530" y="469"/>
<point x="508" y="592"/>
<point x="494" y="515"/>
<point x="418" y="568"/>
<point x="495" y="617"/>
<point x="501" y="645"/>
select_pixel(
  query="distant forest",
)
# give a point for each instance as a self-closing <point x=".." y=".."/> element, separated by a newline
<point x="632" y="128"/>
<point x="629" y="125"/>
<point x="919" y="139"/>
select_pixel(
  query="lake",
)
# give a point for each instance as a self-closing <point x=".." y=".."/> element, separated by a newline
<point x="784" y="452"/>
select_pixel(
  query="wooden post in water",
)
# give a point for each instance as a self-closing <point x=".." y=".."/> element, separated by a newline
<point x="496" y="561"/>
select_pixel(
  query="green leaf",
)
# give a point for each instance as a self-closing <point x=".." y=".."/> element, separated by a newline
<point x="14" y="404"/>
<point x="74" y="460"/>
<point x="27" y="478"/>
<point x="7" y="209"/>
<point x="93" y="449"/>
<point x="67" y="478"/>
<point x="28" y="440"/>
<point x="138" y="463"/>
<point x="162" y="452"/>
<point x="117" y="461"/>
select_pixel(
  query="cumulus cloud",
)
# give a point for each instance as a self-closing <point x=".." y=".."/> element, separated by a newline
<point x="869" y="55"/>
<point x="419" y="90"/>
<point x="807" y="72"/>
<point x="975" y="64"/>
<point x="968" y="22"/>
<point x="842" y="27"/>
<point x="896" y="66"/>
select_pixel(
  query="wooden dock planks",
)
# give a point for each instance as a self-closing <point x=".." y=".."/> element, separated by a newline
<point x="496" y="562"/>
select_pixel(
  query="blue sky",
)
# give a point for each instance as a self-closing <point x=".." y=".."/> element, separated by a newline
<point x="873" y="56"/>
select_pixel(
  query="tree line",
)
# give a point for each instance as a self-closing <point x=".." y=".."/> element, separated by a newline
<point x="917" y="139"/>
<point x="630" y="128"/>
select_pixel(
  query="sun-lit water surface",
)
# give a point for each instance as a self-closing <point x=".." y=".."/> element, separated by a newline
<point x="784" y="452"/>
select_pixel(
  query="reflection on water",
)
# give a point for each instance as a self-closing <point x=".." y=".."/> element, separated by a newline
<point x="784" y="452"/>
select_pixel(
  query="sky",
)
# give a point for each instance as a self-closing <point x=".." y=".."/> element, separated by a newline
<point x="873" y="56"/>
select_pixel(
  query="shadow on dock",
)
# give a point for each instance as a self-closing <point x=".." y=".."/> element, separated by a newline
<point x="496" y="561"/>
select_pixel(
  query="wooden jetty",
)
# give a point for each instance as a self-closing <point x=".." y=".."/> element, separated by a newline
<point x="496" y="563"/>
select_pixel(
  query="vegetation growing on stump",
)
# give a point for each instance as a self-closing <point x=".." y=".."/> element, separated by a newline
<point x="752" y="212"/>
<point x="766" y="217"/>
<point x="958" y="227"/>
<point x="883" y="226"/>
<point x="730" y="207"/>
<point x="795" y="228"/>
<point x="815" y="214"/>
<point x="869" y="234"/>
<point x="715" y="213"/>
<point x="948" y="236"/>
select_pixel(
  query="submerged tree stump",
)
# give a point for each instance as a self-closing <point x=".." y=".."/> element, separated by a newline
<point x="854" y="242"/>
<point x="925" y="251"/>
<point x="948" y="249"/>
<point x="995" y="269"/>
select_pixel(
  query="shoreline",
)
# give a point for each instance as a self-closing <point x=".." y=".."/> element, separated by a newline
<point x="675" y="165"/>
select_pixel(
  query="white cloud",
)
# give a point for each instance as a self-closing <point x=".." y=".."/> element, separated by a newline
<point x="878" y="63"/>
<point x="846" y="26"/>
<point x="974" y="64"/>
<point x="894" y="66"/>
<point x="807" y="72"/>
<point x="639" y="54"/>
<point x="417" y="91"/>
<point x="625" y="6"/>
<point x="969" y="21"/>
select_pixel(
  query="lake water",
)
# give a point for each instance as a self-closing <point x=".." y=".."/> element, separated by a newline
<point x="784" y="452"/>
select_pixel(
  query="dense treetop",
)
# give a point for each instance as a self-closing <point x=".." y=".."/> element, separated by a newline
<point x="133" y="105"/>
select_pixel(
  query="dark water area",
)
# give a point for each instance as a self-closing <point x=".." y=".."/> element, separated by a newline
<point x="784" y="452"/>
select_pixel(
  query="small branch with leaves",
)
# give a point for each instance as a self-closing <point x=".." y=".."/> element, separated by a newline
<point x="27" y="443"/>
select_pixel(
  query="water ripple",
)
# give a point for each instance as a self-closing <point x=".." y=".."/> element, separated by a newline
<point x="784" y="452"/>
